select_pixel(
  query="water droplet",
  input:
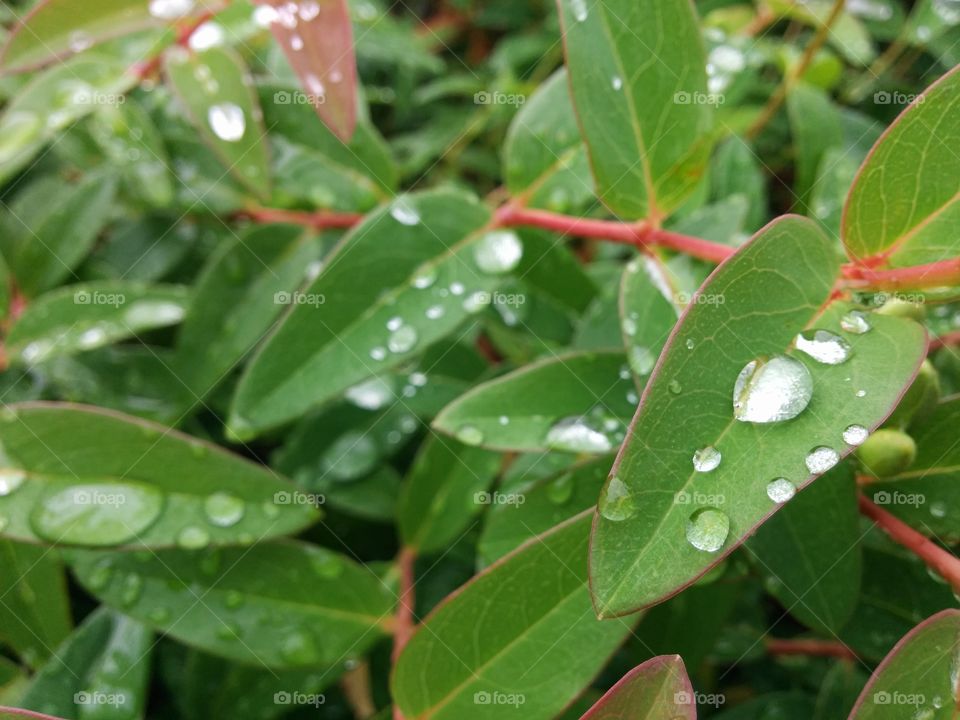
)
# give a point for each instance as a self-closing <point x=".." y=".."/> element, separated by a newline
<point x="350" y="456"/>
<point x="707" y="529"/>
<point x="616" y="501"/>
<point x="781" y="490"/>
<point x="227" y="121"/>
<point x="938" y="509"/>
<point x="233" y="599"/>
<point x="100" y="575"/>
<point x="641" y="360"/>
<point x="821" y="459"/>
<point x="97" y="514"/>
<point x="378" y="353"/>
<point x="579" y="10"/>
<point x="823" y="346"/>
<point x="326" y="565"/>
<point x="403" y="339"/>
<point x="158" y="615"/>
<point x="131" y="590"/>
<point x="476" y="302"/>
<point x="224" y="509"/>
<point x="947" y="10"/>
<point x="80" y="41"/>
<point x="457" y="288"/>
<point x="690" y="344"/>
<point x="573" y="434"/>
<point x="425" y="277"/>
<point x="772" y="390"/>
<point x="924" y="714"/>
<point x="629" y="326"/>
<point x="434" y="312"/>
<point x="469" y="435"/>
<point x="861" y="393"/>
<point x="404" y="212"/>
<point x="855" y="322"/>
<point x="855" y="435"/>
<point x="170" y="9"/>
<point x="706" y="459"/>
<point x="371" y="394"/>
<point x="193" y="538"/>
<point x="208" y="35"/>
<point x="560" y="490"/>
<point x="498" y="252"/>
<point x="675" y="387"/>
<point x="616" y="82"/>
<point x="10" y="481"/>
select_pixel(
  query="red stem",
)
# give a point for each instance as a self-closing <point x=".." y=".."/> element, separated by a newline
<point x="316" y="220"/>
<point x="946" y="340"/>
<point x="936" y="558"/>
<point x="405" y="619"/>
<point x="810" y="648"/>
<point x="938" y="274"/>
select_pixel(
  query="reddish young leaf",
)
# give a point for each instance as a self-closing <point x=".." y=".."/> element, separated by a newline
<point x="659" y="688"/>
<point x="317" y="38"/>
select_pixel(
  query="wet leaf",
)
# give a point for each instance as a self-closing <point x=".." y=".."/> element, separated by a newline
<point x="659" y="688"/>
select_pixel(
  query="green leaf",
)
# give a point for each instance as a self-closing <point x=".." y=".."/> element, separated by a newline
<point x="921" y="671"/>
<point x="526" y="510"/>
<point x="519" y="633"/>
<point x="642" y="100"/>
<point x="905" y="203"/>
<point x="735" y="169"/>
<point x="847" y="34"/>
<point x="238" y="297"/>
<point x="659" y="688"/>
<point x="35" y="611"/>
<point x="305" y="176"/>
<point x="815" y="124"/>
<point x="279" y="605"/>
<point x="318" y="41"/>
<point x="103" y="665"/>
<point x="418" y="259"/>
<point x="647" y="314"/>
<point x="216" y="89"/>
<point x="53" y="101"/>
<point x="545" y="161"/>
<point x="444" y="490"/>
<point x="82" y="317"/>
<point x="925" y="495"/>
<point x="54" y="29"/>
<point x="52" y="227"/>
<point x="579" y="402"/>
<point x="751" y="308"/>
<point x="83" y="476"/>
<point x="810" y="554"/>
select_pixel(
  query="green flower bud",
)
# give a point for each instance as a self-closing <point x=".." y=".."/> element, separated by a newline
<point x="886" y="453"/>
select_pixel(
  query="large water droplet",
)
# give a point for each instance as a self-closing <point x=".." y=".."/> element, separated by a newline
<point x="616" y="501"/>
<point x="97" y="513"/>
<point x="781" y="490"/>
<point x="706" y="459"/>
<point x="469" y="435"/>
<point x="641" y="360"/>
<point x="855" y="435"/>
<point x="498" y="252"/>
<point x="707" y="529"/>
<point x="855" y="322"/>
<point x="10" y="481"/>
<point x="208" y="35"/>
<point x="821" y="459"/>
<point x="403" y="339"/>
<point x="574" y="434"/>
<point x="823" y="346"/>
<point x="371" y="394"/>
<point x="227" y="121"/>
<point x="772" y="390"/>
<point x="224" y="509"/>
<point x="404" y="212"/>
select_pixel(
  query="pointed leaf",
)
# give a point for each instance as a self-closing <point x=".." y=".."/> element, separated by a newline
<point x="103" y="665"/>
<point x="216" y="89"/>
<point x="317" y="38"/>
<point x="35" y="607"/>
<point x="751" y="308"/>
<point x="404" y="278"/>
<point x="815" y="124"/>
<point x="641" y="99"/>
<point x="578" y="403"/>
<point x="919" y="676"/>
<point x="82" y="317"/>
<point x="83" y="476"/>
<point x="647" y="314"/>
<point x="279" y="605"/>
<point x="660" y="688"/>
<point x="905" y="201"/>
<point x="521" y="633"/>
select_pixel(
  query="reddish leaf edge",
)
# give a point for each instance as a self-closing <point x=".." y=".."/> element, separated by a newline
<point x="684" y="697"/>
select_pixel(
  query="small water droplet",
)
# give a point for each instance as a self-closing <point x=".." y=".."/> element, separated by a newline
<point x="224" y="509"/>
<point x="574" y="434"/>
<point x="476" y="302"/>
<point x="690" y="344"/>
<point x="327" y="565"/>
<point x="298" y="648"/>
<point x="131" y="590"/>
<point x="855" y="322"/>
<point x="616" y="501"/>
<point x="208" y="35"/>
<point x="498" y="252"/>
<point x="772" y="390"/>
<point x="403" y="339"/>
<point x="821" y="459"/>
<point x="404" y="212"/>
<point x="80" y="41"/>
<point x="470" y="435"/>
<point x="823" y="346"/>
<point x="707" y="529"/>
<point x="560" y="490"/>
<point x="641" y="360"/>
<point x="706" y="459"/>
<point x="435" y="312"/>
<point x="158" y="615"/>
<point x="100" y="575"/>
<point x="781" y="490"/>
<point x="675" y="387"/>
<point x="227" y="121"/>
<point x="938" y="509"/>
<point x="616" y="82"/>
<point x="579" y="10"/>
<point x="457" y="288"/>
<point x="855" y="435"/>
<point x="425" y="277"/>
<point x="10" y="481"/>
<point x="371" y="394"/>
<point x="170" y="9"/>
<point x="861" y="393"/>
<point x="193" y="538"/>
